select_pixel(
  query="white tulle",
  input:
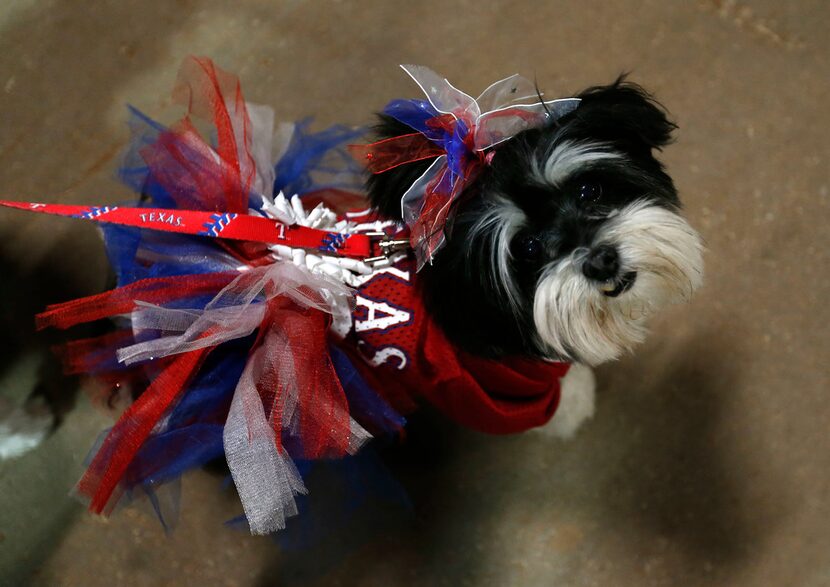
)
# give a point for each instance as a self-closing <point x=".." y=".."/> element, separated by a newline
<point x="263" y="472"/>
<point x="261" y="147"/>
<point x="265" y="476"/>
<point x="234" y="312"/>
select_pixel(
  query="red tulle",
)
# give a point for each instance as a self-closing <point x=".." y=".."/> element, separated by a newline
<point x="302" y="365"/>
<point x="188" y="168"/>
<point x="156" y="290"/>
<point x="103" y="475"/>
<point x="91" y="355"/>
<point x="324" y="411"/>
<point x="216" y="95"/>
<point x="390" y="153"/>
<point x="294" y="373"/>
<point x="337" y="200"/>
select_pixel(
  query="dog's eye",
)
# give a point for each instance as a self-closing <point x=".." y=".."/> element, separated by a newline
<point x="590" y="191"/>
<point x="527" y="248"/>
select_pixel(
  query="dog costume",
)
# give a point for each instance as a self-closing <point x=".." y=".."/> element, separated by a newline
<point x="252" y="326"/>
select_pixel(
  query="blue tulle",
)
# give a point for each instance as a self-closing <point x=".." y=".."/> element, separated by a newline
<point x="349" y="501"/>
<point x="165" y="501"/>
<point x="417" y="114"/>
<point x="374" y="413"/>
<point x="457" y="150"/>
<point x="192" y="431"/>
<point x="204" y="193"/>
<point x="134" y="172"/>
<point x="162" y="254"/>
<point x="192" y="434"/>
<point x="319" y="160"/>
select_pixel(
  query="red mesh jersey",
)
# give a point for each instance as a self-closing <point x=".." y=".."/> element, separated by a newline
<point x="406" y="357"/>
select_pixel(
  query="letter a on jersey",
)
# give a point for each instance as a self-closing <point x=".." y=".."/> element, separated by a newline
<point x="379" y="315"/>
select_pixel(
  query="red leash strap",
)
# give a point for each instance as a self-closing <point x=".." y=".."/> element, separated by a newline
<point x="227" y="225"/>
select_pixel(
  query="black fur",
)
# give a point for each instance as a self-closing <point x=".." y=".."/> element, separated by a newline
<point x="386" y="189"/>
<point x="459" y="288"/>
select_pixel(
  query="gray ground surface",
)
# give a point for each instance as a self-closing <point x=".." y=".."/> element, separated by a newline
<point x="708" y="460"/>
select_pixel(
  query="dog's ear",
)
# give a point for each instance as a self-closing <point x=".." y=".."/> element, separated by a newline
<point x="624" y="112"/>
<point x="386" y="189"/>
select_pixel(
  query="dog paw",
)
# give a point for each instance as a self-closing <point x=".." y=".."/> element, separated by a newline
<point x="576" y="404"/>
<point x="21" y="430"/>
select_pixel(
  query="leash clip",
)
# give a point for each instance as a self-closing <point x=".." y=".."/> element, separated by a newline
<point x="387" y="245"/>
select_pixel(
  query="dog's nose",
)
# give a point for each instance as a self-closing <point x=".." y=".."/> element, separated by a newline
<point x="602" y="264"/>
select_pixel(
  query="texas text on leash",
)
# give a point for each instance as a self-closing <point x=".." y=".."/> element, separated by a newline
<point x="511" y="243"/>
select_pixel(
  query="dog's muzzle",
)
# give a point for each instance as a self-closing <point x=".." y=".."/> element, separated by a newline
<point x="602" y="265"/>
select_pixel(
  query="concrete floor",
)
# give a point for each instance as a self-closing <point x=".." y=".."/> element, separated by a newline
<point x="708" y="461"/>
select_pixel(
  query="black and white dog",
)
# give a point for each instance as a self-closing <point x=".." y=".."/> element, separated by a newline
<point x="565" y="245"/>
<point x="561" y="249"/>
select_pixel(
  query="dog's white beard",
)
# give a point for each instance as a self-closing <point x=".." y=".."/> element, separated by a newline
<point x="573" y="317"/>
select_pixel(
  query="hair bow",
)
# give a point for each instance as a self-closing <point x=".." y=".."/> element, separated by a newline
<point x="457" y="131"/>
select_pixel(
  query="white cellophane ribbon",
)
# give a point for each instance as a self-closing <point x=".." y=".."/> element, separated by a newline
<point x="497" y="115"/>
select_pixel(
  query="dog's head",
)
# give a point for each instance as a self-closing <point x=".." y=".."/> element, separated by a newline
<point x="568" y="240"/>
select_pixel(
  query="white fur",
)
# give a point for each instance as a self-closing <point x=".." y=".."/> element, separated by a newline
<point x="499" y="225"/>
<point x="569" y="156"/>
<point x="576" y="404"/>
<point x="576" y="320"/>
<point x="21" y="431"/>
